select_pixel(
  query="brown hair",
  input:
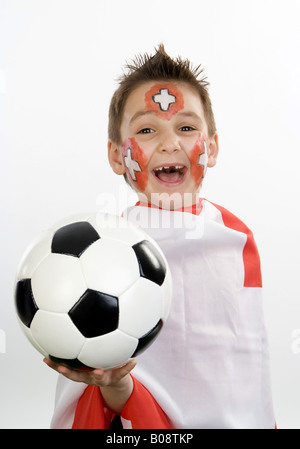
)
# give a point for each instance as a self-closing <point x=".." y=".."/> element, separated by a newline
<point x="158" y="67"/>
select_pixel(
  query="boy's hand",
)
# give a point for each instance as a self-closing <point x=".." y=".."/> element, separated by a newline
<point x="100" y="377"/>
<point x="116" y="384"/>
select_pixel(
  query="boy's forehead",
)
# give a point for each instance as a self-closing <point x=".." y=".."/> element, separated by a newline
<point x="164" y="97"/>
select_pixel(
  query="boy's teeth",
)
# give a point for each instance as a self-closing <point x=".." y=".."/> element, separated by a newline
<point x="176" y="167"/>
<point x="170" y="173"/>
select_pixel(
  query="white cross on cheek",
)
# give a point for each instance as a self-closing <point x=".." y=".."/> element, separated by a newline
<point x="164" y="99"/>
<point x="132" y="165"/>
<point x="203" y="159"/>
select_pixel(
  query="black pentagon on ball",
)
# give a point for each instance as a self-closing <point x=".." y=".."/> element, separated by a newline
<point x="73" y="239"/>
<point x="95" y="313"/>
<point x="152" y="265"/>
<point x="147" y="339"/>
<point x="24" y="302"/>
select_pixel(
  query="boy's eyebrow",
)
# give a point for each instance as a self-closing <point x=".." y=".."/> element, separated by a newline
<point x="190" y="114"/>
<point x="140" y="114"/>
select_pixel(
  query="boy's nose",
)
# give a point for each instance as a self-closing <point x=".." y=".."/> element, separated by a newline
<point x="169" y="144"/>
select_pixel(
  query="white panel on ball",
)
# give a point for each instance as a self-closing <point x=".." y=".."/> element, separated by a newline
<point x="29" y="335"/>
<point x="110" y="266"/>
<point x="57" y="335"/>
<point x="140" y="308"/>
<point x="57" y="282"/>
<point x="108" y="351"/>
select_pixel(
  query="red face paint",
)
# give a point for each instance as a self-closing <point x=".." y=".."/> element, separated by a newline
<point x="165" y="99"/>
<point x="136" y="163"/>
<point x="198" y="158"/>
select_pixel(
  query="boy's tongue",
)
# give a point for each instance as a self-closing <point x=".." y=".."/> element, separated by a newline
<point x="169" y="174"/>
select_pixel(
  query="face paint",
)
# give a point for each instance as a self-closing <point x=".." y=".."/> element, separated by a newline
<point x="199" y="159"/>
<point x="136" y="163"/>
<point x="165" y="99"/>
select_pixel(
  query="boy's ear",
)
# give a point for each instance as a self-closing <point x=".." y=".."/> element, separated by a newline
<point x="213" y="150"/>
<point x="115" y="158"/>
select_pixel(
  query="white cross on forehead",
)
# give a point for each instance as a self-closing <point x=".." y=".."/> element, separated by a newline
<point x="165" y="99"/>
<point x="203" y="158"/>
<point x="132" y="165"/>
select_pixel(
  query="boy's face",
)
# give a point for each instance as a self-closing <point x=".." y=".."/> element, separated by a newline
<point x="165" y="146"/>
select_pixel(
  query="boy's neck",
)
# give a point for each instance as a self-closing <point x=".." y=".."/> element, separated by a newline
<point x="194" y="209"/>
<point x="186" y="202"/>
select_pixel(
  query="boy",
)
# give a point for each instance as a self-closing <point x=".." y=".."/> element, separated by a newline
<point x="209" y="367"/>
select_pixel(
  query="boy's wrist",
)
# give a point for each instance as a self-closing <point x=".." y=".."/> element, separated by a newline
<point x="115" y="396"/>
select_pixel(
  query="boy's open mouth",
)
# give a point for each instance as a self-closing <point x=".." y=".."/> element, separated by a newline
<point x="170" y="174"/>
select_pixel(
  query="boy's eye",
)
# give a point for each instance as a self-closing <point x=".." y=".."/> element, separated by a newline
<point x="146" y="131"/>
<point x="186" y="128"/>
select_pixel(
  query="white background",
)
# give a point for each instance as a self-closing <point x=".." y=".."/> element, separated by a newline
<point x="59" y="61"/>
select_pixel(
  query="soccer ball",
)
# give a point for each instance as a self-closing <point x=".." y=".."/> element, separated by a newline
<point x="93" y="291"/>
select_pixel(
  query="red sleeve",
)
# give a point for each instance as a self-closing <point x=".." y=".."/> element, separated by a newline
<point x="141" y="410"/>
<point x="90" y="412"/>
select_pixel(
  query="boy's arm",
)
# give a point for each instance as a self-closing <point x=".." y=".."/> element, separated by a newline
<point x="119" y="392"/>
<point x="116" y="384"/>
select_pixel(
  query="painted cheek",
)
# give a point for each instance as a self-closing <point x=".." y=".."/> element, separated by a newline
<point x="165" y="99"/>
<point x="198" y="158"/>
<point x="136" y="164"/>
